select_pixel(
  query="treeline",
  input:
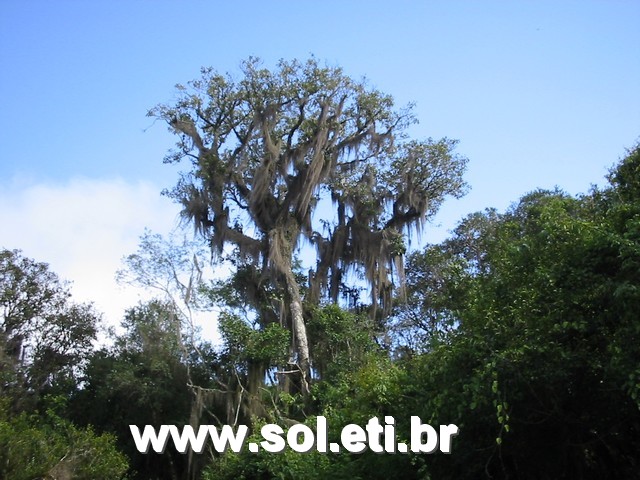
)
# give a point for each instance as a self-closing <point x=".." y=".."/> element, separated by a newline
<point x="521" y="328"/>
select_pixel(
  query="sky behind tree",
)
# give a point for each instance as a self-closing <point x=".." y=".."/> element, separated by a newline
<point x="539" y="94"/>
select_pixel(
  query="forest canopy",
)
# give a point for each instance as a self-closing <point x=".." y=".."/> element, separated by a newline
<point x="521" y="327"/>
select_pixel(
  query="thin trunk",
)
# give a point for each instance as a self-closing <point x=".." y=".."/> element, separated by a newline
<point x="299" y="331"/>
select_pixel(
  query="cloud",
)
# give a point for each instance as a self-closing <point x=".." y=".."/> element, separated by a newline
<point x="82" y="228"/>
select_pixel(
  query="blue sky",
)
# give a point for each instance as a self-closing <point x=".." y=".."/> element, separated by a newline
<point x="539" y="94"/>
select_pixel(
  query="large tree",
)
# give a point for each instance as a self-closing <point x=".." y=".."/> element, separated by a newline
<point x="305" y="153"/>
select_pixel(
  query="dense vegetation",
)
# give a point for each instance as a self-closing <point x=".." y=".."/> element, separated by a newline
<point x="521" y="328"/>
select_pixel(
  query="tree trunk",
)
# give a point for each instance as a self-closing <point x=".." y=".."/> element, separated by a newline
<point x="281" y="259"/>
<point x="299" y="331"/>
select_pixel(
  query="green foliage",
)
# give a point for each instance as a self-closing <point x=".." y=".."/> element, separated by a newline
<point x="352" y="396"/>
<point x="288" y="465"/>
<point x="541" y="370"/>
<point x="625" y="179"/>
<point x="339" y="340"/>
<point x="33" y="446"/>
<point x="268" y="346"/>
<point x="144" y="380"/>
<point x="524" y="335"/>
<point x="522" y="328"/>
<point x="44" y="336"/>
<point x="436" y="282"/>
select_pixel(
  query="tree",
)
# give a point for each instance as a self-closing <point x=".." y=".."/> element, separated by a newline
<point x="44" y="336"/>
<point x="171" y="269"/>
<point x="540" y="371"/>
<point x="305" y="153"/>
<point x="146" y="378"/>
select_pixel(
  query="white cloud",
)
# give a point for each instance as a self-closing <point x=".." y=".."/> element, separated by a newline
<point x="82" y="228"/>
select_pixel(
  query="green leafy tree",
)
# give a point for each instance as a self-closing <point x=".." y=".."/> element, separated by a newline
<point x="48" y="446"/>
<point x="305" y="153"/>
<point x="340" y="341"/>
<point x="540" y="371"/>
<point x="146" y="378"/>
<point x="372" y="386"/>
<point x="44" y="336"/>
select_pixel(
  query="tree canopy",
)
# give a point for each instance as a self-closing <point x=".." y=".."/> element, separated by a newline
<point x="305" y="153"/>
<point x="46" y="339"/>
<point x="44" y="335"/>
<point x="521" y="328"/>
